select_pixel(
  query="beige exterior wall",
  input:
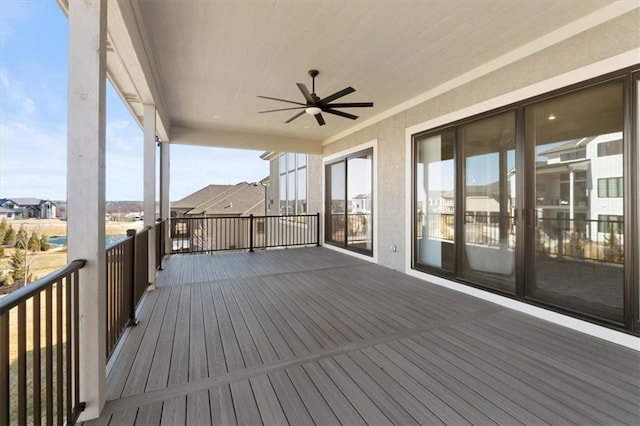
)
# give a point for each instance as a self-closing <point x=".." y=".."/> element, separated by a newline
<point x="599" y="43"/>
<point x="314" y="184"/>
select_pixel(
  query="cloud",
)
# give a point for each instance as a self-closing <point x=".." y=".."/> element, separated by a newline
<point x="32" y="161"/>
<point x="14" y="93"/>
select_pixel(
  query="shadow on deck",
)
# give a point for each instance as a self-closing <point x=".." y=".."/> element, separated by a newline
<point x="309" y="336"/>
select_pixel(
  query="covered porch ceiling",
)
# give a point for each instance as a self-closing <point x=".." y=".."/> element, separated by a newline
<point x="203" y="63"/>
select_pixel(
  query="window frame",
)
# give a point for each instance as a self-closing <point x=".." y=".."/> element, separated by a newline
<point x="630" y="77"/>
<point x="287" y="171"/>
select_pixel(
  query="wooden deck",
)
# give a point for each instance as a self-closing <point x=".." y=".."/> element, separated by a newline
<point x="308" y="336"/>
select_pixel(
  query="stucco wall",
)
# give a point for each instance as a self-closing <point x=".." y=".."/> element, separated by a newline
<point x="314" y="184"/>
<point x="607" y="40"/>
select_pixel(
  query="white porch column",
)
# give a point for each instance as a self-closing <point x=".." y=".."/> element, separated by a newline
<point x="86" y="189"/>
<point x="165" y="179"/>
<point x="571" y="195"/>
<point x="149" y="172"/>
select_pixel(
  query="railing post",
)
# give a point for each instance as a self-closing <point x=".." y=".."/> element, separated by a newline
<point x="318" y="229"/>
<point x="250" y="233"/>
<point x="132" y="279"/>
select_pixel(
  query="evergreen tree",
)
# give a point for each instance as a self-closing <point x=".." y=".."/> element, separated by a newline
<point x="9" y="236"/>
<point x="3" y="230"/>
<point x="16" y="262"/>
<point x="34" y="243"/>
<point x="44" y="244"/>
<point x="22" y="239"/>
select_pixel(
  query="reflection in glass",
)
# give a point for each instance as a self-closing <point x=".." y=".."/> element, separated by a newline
<point x="349" y="195"/>
<point x="302" y="190"/>
<point x="336" y="175"/>
<point x="578" y="230"/>
<point x="435" y="201"/>
<point x="359" y="201"/>
<point x="489" y="201"/>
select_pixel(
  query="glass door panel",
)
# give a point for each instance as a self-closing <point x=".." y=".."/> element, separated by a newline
<point x="335" y="188"/>
<point x="576" y="201"/>
<point x="349" y="202"/>
<point x="489" y="243"/>
<point x="435" y="202"/>
<point x="359" y="202"/>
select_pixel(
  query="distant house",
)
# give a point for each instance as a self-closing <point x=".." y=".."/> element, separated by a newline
<point x="219" y="202"/>
<point x="242" y="199"/>
<point x="6" y="213"/>
<point x="27" y="208"/>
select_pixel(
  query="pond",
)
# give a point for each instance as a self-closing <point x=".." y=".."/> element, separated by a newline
<point x="109" y="239"/>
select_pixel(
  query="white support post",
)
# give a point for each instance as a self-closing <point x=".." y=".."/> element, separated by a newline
<point x="571" y="195"/>
<point x="149" y="172"/>
<point x="165" y="204"/>
<point x="86" y="190"/>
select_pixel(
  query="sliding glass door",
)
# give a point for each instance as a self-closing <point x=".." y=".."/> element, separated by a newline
<point x="576" y="200"/>
<point x="488" y="148"/>
<point x="536" y="201"/>
<point x="349" y="202"/>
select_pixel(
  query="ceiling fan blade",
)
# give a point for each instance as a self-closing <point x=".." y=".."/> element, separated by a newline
<point x="340" y="113"/>
<point x="319" y="119"/>
<point x="282" y="100"/>
<point x="294" y="117"/>
<point x="305" y="93"/>
<point x="351" y="105"/>
<point x="337" y="95"/>
<point x="282" y="109"/>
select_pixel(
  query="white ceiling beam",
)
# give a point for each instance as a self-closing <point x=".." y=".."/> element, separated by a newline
<point x="127" y="35"/>
<point x="243" y="140"/>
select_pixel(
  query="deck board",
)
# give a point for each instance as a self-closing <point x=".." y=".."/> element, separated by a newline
<point x="159" y="370"/>
<point x="306" y="336"/>
<point x="137" y="379"/>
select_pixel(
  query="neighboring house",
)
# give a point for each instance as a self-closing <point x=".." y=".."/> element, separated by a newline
<point x="581" y="181"/>
<point x="221" y="204"/>
<point x="29" y="208"/>
<point x="241" y="199"/>
<point x="7" y="213"/>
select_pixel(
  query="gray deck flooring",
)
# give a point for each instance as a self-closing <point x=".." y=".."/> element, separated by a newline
<point x="309" y="336"/>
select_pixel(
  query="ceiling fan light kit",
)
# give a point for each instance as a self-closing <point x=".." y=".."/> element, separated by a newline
<point x="315" y="105"/>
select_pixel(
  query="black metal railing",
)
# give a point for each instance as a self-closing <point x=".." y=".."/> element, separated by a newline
<point x="127" y="280"/>
<point x="582" y="239"/>
<point x="39" y="351"/>
<point x="209" y="234"/>
<point x="349" y="228"/>
<point x="488" y="229"/>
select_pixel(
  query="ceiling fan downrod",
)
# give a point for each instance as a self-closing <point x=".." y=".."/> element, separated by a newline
<point x="313" y="74"/>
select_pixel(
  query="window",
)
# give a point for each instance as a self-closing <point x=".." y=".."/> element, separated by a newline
<point x="293" y="184"/>
<point x="610" y="188"/>
<point x="574" y="155"/>
<point x="472" y="177"/>
<point x="434" y="205"/>
<point x="349" y="209"/>
<point x="610" y="148"/>
<point x="610" y="223"/>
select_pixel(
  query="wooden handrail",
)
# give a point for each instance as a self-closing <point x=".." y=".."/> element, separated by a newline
<point x="15" y="298"/>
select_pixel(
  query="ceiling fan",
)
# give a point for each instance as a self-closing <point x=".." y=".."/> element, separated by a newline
<point x="316" y="106"/>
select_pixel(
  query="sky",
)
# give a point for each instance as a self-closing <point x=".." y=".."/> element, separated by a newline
<point x="33" y="117"/>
